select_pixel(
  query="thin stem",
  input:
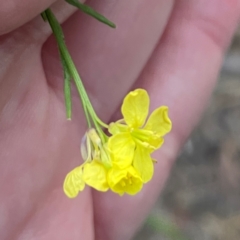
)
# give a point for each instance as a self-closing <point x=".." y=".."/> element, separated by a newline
<point x="67" y="89"/>
<point x="91" y="110"/>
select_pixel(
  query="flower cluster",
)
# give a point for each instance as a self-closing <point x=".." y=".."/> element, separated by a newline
<point x="122" y="161"/>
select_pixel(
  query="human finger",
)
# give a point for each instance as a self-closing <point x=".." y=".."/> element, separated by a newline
<point x="15" y="13"/>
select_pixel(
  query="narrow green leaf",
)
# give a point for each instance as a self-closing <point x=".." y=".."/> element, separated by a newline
<point x="88" y="10"/>
<point x="57" y="31"/>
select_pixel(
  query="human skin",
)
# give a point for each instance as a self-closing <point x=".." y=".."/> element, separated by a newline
<point x="172" y="49"/>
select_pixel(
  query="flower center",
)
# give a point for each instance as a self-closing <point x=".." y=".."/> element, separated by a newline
<point x="128" y="180"/>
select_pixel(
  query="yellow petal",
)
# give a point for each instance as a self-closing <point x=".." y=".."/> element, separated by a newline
<point x="147" y="139"/>
<point x="155" y="142"/>
<point x="124" y="181"/>
<point x="114" y="177"/>
<point x="95" y="175"/>
<point x="121" y="146"/>
<point x="135" y="182"/>
<point x="73" y="182"/>
<point x="135" y="108"/>
<point x="105" y="156"/>
<point x="117" y="127"/>
<point x="143" y="163"/>
<point x="159" y="122"/>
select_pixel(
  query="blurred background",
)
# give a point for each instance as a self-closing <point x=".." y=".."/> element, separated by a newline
<point x="201" y="200"/>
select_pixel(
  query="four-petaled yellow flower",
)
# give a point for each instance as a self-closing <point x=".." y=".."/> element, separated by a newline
<point x="134" y="138"/>
<point x="124" y="181"/>
<point x="91" y="173"/>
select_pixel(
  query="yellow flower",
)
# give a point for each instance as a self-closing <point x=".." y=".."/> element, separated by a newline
<point x="93" y="171"/>
<point x="73" y="182"/>
<point x="124" y="181"/>
<point x="123" y="161"/>
<point x="134" y="138"/>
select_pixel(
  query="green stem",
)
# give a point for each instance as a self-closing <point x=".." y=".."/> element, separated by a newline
<point x="67" y="89"/>
<point x="67" y="94"/>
